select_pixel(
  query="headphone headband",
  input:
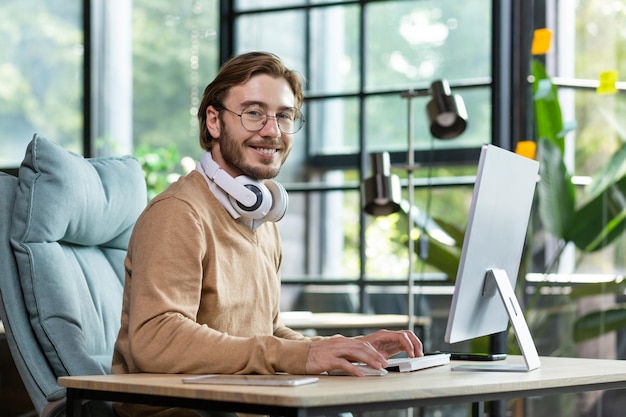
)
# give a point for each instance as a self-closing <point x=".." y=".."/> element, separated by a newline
<point x="249" y="197"/>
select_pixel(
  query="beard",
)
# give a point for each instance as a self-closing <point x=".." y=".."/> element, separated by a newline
<point x="233" y="153"/>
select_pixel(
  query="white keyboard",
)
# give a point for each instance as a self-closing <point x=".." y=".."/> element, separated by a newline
<point x="415" y="364"/>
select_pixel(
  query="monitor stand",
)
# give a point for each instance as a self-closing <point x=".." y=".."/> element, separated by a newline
<point x="520" y="327"/>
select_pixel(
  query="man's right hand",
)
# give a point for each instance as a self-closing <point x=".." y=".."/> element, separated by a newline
<point x="339" y="352"/>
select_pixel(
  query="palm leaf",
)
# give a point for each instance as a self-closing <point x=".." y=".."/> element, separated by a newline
<point x="602" y="218"/>
<point x="555" y="190"/>
<point x="548" y="117"/>
<point x="443" y="257"/>
<point x="599" y="322"/>
<point x="598" y="288"/>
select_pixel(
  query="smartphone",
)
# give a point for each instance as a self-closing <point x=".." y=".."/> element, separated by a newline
<point x="457" y="356"/>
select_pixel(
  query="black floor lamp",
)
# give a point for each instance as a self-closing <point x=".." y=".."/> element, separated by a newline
<point x="447" y="118"/>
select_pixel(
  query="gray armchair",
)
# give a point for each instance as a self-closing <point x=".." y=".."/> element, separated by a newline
<point x="65" y="222"/>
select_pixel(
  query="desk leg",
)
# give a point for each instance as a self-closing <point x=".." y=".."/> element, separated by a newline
<point x="478" y="409"/>
<point x="73" y="406"/>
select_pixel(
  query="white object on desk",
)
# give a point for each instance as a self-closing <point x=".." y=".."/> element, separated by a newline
<point x="271" y="380"/>
<point x="416" y="364"/>
<point x="367" y="370"/>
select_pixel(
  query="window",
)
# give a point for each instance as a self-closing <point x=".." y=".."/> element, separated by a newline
<point x="175" y="54"/>
<point x="358" y="57"/>
<point x="42" y="75"/>
<point x="576" y="65"/>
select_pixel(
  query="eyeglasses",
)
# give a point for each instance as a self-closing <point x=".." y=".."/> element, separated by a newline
<point x="254" y="118"/>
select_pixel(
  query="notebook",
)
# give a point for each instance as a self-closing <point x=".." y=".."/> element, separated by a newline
<point x="282" y="380"/>
<point x="415" y="364"/>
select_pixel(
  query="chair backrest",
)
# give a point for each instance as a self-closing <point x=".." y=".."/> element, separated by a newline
<point x="62" y="275"/>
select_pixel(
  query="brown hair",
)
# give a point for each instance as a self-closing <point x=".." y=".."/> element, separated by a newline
<point x="236" y="71"/>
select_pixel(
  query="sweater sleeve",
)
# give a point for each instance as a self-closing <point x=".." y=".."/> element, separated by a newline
<point x="165" y="294"/>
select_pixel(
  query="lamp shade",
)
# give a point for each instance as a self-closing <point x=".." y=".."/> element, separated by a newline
<point x="381" y="192"/>
<point x="446" y="111"/>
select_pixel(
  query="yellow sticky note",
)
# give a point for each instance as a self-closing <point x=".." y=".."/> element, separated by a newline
<point x="607" y="82"/>
<point x="526" y="148"/>
<point x="541" y="41"/>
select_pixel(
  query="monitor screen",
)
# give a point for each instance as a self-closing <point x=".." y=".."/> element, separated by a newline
<point x="494" y="240"/>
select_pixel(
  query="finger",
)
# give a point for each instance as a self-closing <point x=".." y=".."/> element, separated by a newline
<point x="360" y="350"/>
<point x="354" y="370"/>
<point x="411" y="343"/>
<point x="372" y="356"/>
<point x="418" y="347"/>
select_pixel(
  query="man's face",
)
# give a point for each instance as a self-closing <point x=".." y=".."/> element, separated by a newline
<point x="256" y="154"/>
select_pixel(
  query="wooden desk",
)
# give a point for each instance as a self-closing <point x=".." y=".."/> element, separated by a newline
<point x="333" y="394"/>
<point x="302" y="320"/>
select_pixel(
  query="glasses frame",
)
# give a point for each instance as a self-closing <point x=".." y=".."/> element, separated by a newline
<point x="267" y="116"/>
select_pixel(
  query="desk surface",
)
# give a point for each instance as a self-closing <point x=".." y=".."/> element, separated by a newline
<point x="437" y="385"/>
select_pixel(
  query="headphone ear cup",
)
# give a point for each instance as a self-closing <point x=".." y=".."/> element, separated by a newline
<point x="280" y="201"/>
<point x="263" y="203"/>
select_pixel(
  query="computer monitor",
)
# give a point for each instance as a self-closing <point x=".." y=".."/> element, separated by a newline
<point x="484" y="299"/>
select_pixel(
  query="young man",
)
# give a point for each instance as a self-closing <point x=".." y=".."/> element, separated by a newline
<point x="202" y="273"/>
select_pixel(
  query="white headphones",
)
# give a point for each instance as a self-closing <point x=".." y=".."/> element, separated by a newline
<point x="249" y="197"/>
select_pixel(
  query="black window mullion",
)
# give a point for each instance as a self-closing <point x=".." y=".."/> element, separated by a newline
<point x="87" y="82"/>
<point x="363" y="157"/>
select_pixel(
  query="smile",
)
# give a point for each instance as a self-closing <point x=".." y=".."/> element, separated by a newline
<point x="266" y="151"/>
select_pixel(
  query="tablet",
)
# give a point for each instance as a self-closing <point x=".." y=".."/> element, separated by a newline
<point x="270" y="380"/>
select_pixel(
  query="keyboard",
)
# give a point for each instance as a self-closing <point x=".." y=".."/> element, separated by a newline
<point x="415" y="364"/>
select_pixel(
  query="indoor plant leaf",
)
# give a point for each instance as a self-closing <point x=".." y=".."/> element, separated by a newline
<point x="602" y="218"/>
<point x="598" y="223"/>
<point x="599" y="322"/>
<point x="548" y="117"/>
<point x="597" y="288"/>
<point x="556" y="193"/>
<point x="443" y="257"/>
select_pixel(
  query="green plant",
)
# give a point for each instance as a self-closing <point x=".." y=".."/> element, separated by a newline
<point x="158" y="165"/>
<point x="590" y="218"/>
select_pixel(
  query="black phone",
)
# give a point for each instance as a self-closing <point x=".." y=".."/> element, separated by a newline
<point x="458" y="356"/>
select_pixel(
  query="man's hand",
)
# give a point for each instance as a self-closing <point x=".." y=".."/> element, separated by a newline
<point x="340" y="352"/>
<point x="395" y="342"/>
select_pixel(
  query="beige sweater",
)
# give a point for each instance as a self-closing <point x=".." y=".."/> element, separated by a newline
<point x="202" y="292"/>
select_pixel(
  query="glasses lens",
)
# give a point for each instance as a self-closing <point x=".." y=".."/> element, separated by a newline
<point x="253" y="118"/>
<point x="289" y="121"/>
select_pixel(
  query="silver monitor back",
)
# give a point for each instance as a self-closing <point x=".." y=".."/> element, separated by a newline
<point x="494" y="240"/>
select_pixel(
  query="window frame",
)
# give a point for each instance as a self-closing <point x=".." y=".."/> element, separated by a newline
<point x="509" y="90"/>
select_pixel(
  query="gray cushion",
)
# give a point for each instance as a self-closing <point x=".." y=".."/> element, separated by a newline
<point x="71" y="224"/>
<point x="39" y="379"/>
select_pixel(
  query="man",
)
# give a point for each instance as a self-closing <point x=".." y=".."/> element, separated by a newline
<point x="202" y="273"/>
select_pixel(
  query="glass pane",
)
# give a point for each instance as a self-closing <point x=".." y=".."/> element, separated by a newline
<point x="334" y="51"/>
<point x="409" y="43"/>
<point x="293" y="234"/>
<point x="334" y="125"/>
<point x="41" y="73"/>
<point x="387" y="236"/>
<point x="387" y="122"/>
<point x="332" y="243"/>
<point x="267" y="32"/>
<point x="598" y="138"/>
<point x="598" y="132"/>
<point x="581" y="30"/>
<point x="175" y="55"/>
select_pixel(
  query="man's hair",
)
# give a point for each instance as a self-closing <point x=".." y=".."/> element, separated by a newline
<point x="236" y="71"/>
